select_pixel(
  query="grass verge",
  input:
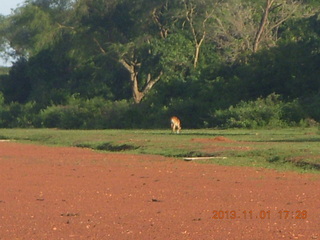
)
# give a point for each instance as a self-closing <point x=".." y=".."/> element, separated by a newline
<point x="294" y="149"/>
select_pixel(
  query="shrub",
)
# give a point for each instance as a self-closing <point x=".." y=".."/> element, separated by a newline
<point x="312" y="106"/>
<point x="17" y="115"/>
<point x="93" y="113"/>
<point x="263" y="112"/>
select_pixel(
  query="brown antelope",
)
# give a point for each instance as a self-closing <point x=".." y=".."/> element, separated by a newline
<point x="175" y="124"/>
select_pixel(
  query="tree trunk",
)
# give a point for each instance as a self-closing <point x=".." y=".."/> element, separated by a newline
<point x="136" y="93"/>
<point x="132" y="67"/>
<point x="262" y="26"/>
<point x="198" y="42"/>
<point x="197" y="52"/>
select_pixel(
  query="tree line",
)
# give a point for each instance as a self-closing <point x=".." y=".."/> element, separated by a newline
<point x="124" y="63"/>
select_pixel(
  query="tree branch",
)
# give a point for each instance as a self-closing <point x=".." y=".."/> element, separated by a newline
<point x="99" y="46"/>
<point x="263" y="23"/>
<point x="151" y="82"/>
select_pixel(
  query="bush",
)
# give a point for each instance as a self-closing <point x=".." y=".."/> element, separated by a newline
<point x="311" y="105"/>
<point x="293" y="112"/>
<point x="263" y="112"/>
<point x="95" y="113"/>
<point x="98" y="113"/>
<point x="17" y="115"/>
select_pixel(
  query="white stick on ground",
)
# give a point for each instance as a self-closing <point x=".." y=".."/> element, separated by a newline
<point x="201" y="158"/>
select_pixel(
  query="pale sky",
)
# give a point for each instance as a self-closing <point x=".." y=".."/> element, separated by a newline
<point x="6" y="7"/>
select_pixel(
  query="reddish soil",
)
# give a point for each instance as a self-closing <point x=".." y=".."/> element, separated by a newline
<point x="71" y="193"/>
<point x="210" y="145"/>
<point x="216" y="139"/>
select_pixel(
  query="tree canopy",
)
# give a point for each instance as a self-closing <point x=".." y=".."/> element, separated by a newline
<point x="183" y="56"/>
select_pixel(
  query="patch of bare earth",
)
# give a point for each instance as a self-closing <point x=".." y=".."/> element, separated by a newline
<point x="210" y="140"/>
<point x="72" y="193"/>
<point x="211" y="145"/>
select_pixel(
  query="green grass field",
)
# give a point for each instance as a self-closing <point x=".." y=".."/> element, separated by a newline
<point x="294" y="149"/>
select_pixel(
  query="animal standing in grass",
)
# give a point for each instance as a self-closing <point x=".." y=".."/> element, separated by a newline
<point x="175" y="124"/>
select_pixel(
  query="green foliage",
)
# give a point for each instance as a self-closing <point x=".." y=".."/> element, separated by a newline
<point x="1" y="100"/>
<point x="17" y="77"/>
<point x="92" y="49"/>
<point x="311" y="105"/>
<point x="16" y="115"/>
<point x="4" y="70"/>
<point x="263" y="112"/>
<point x="35" y="26"/>
<point x="95" y="113"/>
<point x="176" y="60"/>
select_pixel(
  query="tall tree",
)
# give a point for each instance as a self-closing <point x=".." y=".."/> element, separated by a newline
<point x="34" y="26"/>
<point x="116" y="28"/>
<point x="281" y="11"/>
<point x="243" y="27"/>
<point x="197" y="15"/>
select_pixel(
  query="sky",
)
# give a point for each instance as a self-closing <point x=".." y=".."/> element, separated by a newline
<point x="5" y="9"/>
<point x="7" y="5"/>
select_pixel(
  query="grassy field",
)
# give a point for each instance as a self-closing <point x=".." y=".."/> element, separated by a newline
<point x="294" y="149"/>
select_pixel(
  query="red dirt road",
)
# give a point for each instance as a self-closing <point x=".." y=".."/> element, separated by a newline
<point x="71" y="193"/>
